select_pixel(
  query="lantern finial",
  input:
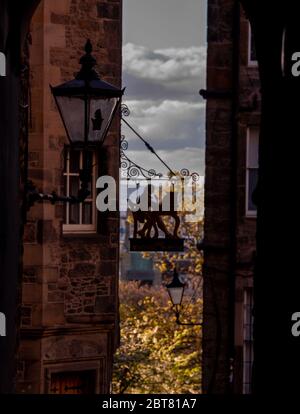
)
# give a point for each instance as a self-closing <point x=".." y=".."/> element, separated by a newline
<point x="88" y="47"/>
<point x="87" y="61"/>
<point x="87" y="104"/>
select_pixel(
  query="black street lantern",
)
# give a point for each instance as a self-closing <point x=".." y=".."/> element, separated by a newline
<point x="87" y="104"/>
<point x="176" y="290"/>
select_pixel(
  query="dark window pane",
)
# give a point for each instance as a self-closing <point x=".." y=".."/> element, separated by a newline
<point x="74" y="161"/>
<point x="74" y="214"/>
<point x="87" y="212"/>
<point x="65" y="213"/>
<point x="65" y="185"/>
<point x="253" y="179"/>
<point x="90" y="188"/>
<point x="253" y="148"/>
<point x="89" y="156"/>
<point x="74" y="186"/>
<point x="66" y="193"/>
<point x="66" y="158"/>
<point x="87" y="159"/>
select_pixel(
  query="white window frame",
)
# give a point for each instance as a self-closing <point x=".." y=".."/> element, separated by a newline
<point x="249" y="213"/>
<point x="251" y="63"/>
<point x="80" y="228"/>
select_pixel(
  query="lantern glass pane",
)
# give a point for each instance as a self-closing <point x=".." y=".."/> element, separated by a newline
<point x="100" y="112"/>
<point x="72" y="112"/>
<point x="176" y="295"/>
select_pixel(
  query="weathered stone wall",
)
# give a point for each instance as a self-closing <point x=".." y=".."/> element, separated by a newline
<point x="217" y="200"/>
<point x="229" y="234"/>
<point x="68" y="279"/>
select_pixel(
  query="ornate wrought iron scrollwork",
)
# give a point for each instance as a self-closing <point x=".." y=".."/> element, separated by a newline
<point x="185" y="173"/>
<point x="129" y="168"/>
<point x="125" y="111"/>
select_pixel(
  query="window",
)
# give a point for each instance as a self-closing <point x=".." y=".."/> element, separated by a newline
<point x="248" y="341"/>
<point x="252" y="57"/>
<point x="252" y="169"/>
<point x="81" y="382"/>
<point x="79" y="218"/>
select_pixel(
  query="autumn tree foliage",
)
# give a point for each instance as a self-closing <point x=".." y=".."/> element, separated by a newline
<point x="156" y="356"/>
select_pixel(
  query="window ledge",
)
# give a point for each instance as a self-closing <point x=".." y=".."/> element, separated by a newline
<point x="78" y="236"/>
<point x="251" y="216"/>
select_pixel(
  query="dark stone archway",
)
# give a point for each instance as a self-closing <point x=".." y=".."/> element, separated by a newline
<point x="276" y="30"/>
<point x="14" y="19"/>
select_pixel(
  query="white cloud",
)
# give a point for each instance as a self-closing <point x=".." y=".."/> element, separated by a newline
<point x="163" y="96"/>
<point x="168" y="123"/>
<point x="147" y="108"/>
<point x="173" y="64"/>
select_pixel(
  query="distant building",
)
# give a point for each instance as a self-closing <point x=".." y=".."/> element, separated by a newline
<point x="233" y="117"/>
<point x="133" y="266"/>
<point x="69" y="322"/>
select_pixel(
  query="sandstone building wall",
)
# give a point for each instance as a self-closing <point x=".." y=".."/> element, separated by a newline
<point x="233" y="105"/>
<point x="70" y="281"/>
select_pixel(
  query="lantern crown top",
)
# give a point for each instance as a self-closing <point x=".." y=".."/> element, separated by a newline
<point x="88" y="62"/>
<point x="87" y="81"/>
<point x="176" y="282"/>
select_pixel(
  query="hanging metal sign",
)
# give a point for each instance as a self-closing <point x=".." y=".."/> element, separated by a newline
<point x="156" y="203"/>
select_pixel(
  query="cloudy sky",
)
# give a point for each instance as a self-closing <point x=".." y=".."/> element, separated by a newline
<point x="163" y="71"/>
